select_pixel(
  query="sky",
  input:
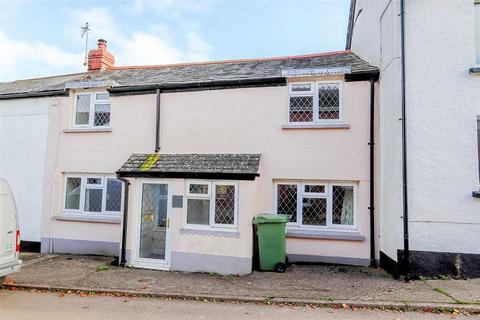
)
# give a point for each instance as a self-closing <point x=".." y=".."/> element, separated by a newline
<point x="43" y="38"/>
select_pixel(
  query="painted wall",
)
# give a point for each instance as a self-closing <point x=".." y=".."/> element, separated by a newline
<point x="442" y="109"/>
<point x="443" y="102"/>
<point x="92" y="152"/>
<point x="251" y="119"/>
<point x="246" y="120"/>
<point x="23" y="147"/>
<point x="223" y="252"/>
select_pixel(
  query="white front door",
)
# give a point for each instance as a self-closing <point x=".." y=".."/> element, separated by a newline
<point x="153" y="236"/>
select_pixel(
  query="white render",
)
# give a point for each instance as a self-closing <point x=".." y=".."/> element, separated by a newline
<point x="442" y="103"/>
<point x="23" y="148"/>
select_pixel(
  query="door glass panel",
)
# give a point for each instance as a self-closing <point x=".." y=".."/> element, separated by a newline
<point x="154" y="221"/>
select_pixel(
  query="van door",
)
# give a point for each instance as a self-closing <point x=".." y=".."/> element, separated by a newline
<point x="8" y="226"/>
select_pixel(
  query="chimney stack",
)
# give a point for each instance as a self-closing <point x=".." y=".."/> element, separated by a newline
<point x="100" y="58"/>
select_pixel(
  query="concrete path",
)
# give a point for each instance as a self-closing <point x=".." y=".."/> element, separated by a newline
<point x="35" y="305"/>
<point x="320" y="285"/>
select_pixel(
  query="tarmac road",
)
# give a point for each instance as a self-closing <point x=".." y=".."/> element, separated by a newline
<point x="36" y="305"/>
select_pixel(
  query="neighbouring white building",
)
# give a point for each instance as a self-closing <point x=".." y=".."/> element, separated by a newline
<point x="23" y="149"/>
<point x="442" y="106"/>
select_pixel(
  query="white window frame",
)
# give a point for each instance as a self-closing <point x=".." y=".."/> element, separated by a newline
<point x="327" y="195"/>
<point x="91" y="113"/>
<point x="211" y="196"/>
<point x="83" y="187"/>
<point x="314" y="92"/>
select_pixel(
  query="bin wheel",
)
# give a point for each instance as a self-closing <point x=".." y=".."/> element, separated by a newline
<point x="280" y="267"/>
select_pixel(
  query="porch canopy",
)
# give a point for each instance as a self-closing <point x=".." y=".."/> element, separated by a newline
<point x="200" y="166"/>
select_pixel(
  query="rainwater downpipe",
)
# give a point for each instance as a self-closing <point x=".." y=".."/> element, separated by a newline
<point x="406" y="248"/>
<point x="122" y="260"/>
<point x="157" y="126"/>
<point x="373" y="262"/>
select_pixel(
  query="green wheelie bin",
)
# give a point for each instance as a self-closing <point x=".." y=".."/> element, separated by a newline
<point x="271" y="241"/>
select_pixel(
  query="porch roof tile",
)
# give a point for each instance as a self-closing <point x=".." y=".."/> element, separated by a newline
<point x="228" y="166"/>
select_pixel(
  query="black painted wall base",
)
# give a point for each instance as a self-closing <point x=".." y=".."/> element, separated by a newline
<point x="30" y="246"/>
<point x="428" y="263"/>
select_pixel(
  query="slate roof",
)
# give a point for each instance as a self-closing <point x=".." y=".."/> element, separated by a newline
<point x="192" y="165"/>
<point x="187" y="73"/>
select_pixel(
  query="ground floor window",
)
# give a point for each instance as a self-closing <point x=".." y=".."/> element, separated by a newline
<point x="93" y="194"/>
<point x="317" y="204"/>
<point x="212" y="204"/>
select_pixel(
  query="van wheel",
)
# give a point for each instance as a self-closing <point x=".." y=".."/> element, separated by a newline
<point x="280" y="267"/>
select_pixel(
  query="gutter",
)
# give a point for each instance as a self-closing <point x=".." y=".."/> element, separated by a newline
<point x="373" y="261"/>
<point x="405" y="262"/>
<point x="192" y="86"/>
<point x="122" y="260"/>
<point x="38" y="94"/>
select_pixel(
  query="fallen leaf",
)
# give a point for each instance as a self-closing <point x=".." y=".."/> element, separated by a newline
<point x="61" y="295"/>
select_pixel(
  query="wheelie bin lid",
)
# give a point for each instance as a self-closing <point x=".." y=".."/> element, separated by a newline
<point x="271" y="218"/>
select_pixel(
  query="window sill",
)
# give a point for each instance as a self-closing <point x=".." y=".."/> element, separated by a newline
<point x="88" y="218"/>
<point x="227" y="233"/>
<point x="324" y="234"/>
<point x="102" y="129"/>
<point x="316" y="126"/>
<point x="475" y="70"/>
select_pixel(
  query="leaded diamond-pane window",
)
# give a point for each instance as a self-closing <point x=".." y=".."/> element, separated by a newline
<point x="287" y="200"/>
<point x="301" y="109"/>
<point x="314" y="211"/>
<point x="99" y="194"/>
<point x="92" y="110"/>
<point x="213" y="209"/>
<point x="102" y="114"/>
<point x="317" y="205"/>
<point x="93" y="200"/>
<point x="82" y="114"/>
<point x="342" y="205"/>
<point x="114" y="195"/>
<point x="328" y="101"/>
<point x="224" y="204"/>
<point x="197" y="188"/>
<point x="315" y="102"/>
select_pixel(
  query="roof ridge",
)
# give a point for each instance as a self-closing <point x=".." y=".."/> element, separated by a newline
<point x="182" y="64"/>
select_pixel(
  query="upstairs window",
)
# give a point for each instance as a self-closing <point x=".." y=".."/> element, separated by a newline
<point x="315" y="102"/>
<point x="92" y="110"/>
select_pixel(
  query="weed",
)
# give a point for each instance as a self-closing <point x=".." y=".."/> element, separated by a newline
<point x="328" y="298"/>
<point x="102" y="267"/>
<point x="423" y="278"/>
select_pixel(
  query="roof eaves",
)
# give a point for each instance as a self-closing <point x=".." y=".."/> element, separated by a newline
<point x="192" y="86"/>
<point x="34" y="94"/>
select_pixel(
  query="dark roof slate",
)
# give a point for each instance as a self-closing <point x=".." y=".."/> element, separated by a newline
<point x="181" y="165"/>
<point x="194" y="72"/>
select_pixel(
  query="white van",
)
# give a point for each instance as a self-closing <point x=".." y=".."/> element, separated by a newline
<point x="9" y="233"/>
